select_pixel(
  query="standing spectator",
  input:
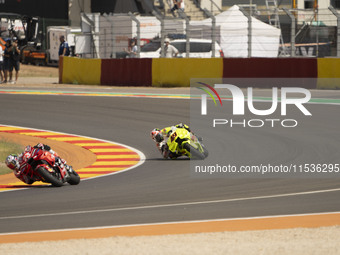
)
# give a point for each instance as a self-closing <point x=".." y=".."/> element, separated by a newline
<point x="14" y="61"/>
<point x="1" y="64"/>
<point x="132" y="51"/>
<point x="64" y="49"/>
<point x="169" y="50"/>
<point x="178" y="5"/>
<point x="7" y="56"/>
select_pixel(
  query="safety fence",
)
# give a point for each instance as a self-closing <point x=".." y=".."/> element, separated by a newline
<point x="238" y="32"/>
<point x="173" y="72"/>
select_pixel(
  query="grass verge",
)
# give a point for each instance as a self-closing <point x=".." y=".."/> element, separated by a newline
<point x="7" y="148"/>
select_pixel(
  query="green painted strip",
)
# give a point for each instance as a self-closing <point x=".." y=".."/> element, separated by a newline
<point x="91" y="93"/>
<point x="312" y="100"/>
<point x="325" y="101"/>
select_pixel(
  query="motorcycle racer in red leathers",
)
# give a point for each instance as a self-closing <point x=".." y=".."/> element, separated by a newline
<point x="19" y="165"/>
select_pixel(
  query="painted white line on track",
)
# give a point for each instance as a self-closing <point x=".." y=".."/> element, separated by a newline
<point x="169" y="205"/>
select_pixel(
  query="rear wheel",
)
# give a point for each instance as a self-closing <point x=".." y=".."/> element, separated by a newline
<point x="195" y="154"/>
<point x="48" y="177"/>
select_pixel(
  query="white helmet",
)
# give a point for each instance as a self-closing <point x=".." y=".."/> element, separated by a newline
<point x="156" y="134"/>
<point x="12" y="161"/>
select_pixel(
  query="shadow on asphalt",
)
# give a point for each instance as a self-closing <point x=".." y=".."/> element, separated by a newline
<point x="162" y="159"/>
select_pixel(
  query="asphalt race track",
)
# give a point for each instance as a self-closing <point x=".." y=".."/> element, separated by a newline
<point x="163" y="190"/>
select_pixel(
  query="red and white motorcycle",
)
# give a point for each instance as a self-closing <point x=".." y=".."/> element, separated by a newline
<point x="42" y="165"/>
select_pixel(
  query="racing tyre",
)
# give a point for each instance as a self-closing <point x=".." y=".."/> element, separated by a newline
<point x="195" y="154"/>
<point x="48" y="177"/>
<point x="74" y="178"/>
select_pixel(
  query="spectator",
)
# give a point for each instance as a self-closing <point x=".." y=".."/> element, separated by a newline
<point x="64" y="49"/>
<point x="132" y="51"/>
<point x="7" y="56"/>
<point x="14" y="61"/>
<point x="178" y="5"/>
<point x="169" y="50"/>
<point x="1" y="64"/>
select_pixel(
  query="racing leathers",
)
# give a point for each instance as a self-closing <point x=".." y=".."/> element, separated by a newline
<point x="161" y="137"/>
<point x="22" y="169"/>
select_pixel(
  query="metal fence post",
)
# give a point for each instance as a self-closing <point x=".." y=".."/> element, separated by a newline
<point x="133" y="17"/>
<point x="214" y="4"/>
<point x="113" y="53"/>
<point x="161" y="19"/>
<point x="213" y="32"/>
<point x="292" y="32"/>
<point x="250" y="33"/>
<point x="337" y="15"/>
<point x="93" y="33"/>
<point x="187" y="31"/>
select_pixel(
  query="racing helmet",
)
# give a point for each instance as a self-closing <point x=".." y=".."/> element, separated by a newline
<point x="154" y="132"/>
<point x="12" y="161"/>
<point x="28" y="148"/>
<point x="157" y="135"/>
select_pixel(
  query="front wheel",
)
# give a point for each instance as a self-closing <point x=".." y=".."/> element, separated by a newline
<point x="74" y="178"/>
<point x="194" y="153"/>
<point x="48" y="177"/>
<point x="205" y="151"/>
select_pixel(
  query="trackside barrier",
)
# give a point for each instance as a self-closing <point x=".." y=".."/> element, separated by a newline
<point x="126" y="72"/>
<point x="270" y="68"/>
<point x="328" y="73"/>
<point x="178" y="71"/>
<point x="81" y="71"/>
